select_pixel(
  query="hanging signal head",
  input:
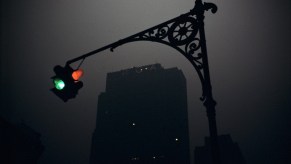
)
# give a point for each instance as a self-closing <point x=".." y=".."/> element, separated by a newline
<point x="66" y="82"/>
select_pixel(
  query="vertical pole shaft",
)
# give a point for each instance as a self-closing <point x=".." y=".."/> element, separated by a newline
<point x="210" y="107"/>
<point x="209" y="102"/>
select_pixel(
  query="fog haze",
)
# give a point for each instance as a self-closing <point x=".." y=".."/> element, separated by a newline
<point x="249" y="56"/>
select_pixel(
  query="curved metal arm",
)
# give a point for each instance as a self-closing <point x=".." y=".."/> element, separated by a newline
<point x="182" y="33"/>
<point x="179" y="33"/>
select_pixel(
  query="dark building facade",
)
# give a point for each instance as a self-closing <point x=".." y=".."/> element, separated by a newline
<point x="142" y="118"/>
<point x="230" y="152"/>
<point x="19" y="144"/>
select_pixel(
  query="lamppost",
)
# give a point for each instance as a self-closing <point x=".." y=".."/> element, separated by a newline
<point x="186" y="34"/>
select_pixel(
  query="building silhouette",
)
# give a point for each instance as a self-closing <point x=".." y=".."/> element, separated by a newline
<point x="230" y="152"/>
<point x="19" y="144"/>
<point x="142" y="118"/>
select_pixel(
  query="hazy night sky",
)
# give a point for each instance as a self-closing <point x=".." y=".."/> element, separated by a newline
<point x="249" y="49"/>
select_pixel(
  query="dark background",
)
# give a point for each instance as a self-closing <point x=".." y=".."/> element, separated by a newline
<point x="249" y="55"/>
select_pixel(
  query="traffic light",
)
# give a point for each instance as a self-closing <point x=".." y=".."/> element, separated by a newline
<point x="66" y="82"/>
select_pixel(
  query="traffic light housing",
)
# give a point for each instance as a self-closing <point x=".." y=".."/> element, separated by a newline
<point x="66" y="82"/>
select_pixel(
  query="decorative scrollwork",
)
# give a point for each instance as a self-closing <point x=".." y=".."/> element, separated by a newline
<point x="147" y="34"/>
<point x="211" y="6"/>
<point x="190" y="50"/>
<point x="162" y="32"/>
<point x="183" y="31"/>
<point x="192" y="46"/>
<point x="155" y="34"/>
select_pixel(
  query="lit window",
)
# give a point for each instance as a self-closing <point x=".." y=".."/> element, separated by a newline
<point x="133" y="124"/>
<point x="138" y="70"/>
<point x="135" y="158"/>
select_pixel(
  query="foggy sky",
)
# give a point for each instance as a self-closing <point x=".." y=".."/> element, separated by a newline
<point x="249" y="56"/>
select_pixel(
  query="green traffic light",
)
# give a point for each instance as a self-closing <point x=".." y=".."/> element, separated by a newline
<point x="59" y="84"/>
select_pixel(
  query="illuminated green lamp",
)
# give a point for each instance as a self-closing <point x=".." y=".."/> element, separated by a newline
<point x="59" y="84"/>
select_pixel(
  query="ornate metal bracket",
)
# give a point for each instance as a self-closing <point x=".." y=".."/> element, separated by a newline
<point x="184" y="33"/>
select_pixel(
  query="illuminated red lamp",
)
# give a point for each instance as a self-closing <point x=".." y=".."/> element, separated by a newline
<point x="77" y="74"/>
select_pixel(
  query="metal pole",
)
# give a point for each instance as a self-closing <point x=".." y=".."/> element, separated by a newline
<point x="209" y="102"/>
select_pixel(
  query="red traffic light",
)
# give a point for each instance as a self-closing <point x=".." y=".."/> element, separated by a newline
<point x="66" y="84"/>
<point x="77" y="74"/>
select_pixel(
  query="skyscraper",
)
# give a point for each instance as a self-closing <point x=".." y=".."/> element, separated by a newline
<point x="19" y="144"/>
<point x="142" y="118"/>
